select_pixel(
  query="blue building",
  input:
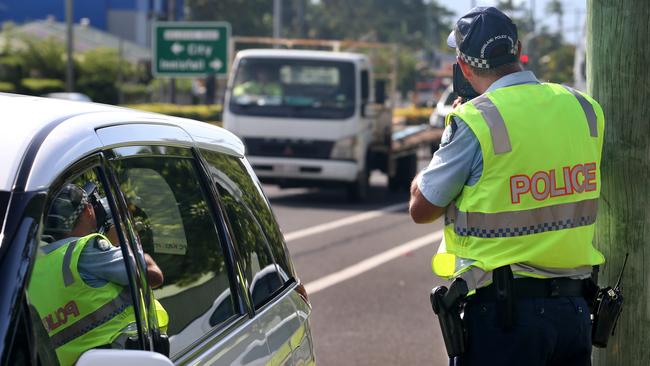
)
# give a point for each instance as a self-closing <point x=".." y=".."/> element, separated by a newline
<point x="128" y="19"/>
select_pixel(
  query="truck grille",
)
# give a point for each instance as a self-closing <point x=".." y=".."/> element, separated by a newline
<point x="304" y="149"/>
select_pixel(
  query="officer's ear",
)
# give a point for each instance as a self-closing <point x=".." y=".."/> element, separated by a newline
<point x="464" y="67"/>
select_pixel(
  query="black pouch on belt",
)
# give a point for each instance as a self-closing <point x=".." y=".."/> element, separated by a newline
<point x="503" y="282"/>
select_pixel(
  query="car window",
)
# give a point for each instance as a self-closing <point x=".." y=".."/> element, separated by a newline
<point x="256" y="233"/>
<point x="173" y="219"/>
<point x="79" y="290"/>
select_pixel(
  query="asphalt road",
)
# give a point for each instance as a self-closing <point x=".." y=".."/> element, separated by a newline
<point x="367" y="268"/>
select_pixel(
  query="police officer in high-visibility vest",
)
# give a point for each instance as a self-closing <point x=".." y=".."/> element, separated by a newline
<point x="79" y="286"/>
<point x="517" y="177"/>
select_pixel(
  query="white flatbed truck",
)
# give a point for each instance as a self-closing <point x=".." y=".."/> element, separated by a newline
<point x="315" y="118"/>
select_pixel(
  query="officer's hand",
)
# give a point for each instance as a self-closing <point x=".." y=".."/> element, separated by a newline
<point x="457" y="102"/>
<point x="154" y="273"/>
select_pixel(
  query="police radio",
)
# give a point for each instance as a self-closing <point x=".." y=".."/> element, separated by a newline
<point x="607" y="310"/>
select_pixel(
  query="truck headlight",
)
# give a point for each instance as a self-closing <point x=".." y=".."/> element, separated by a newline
<point x="344" y="149"/>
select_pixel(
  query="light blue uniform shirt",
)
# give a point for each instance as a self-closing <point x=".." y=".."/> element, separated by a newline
<point x="459" y="160"/>
<point x="98" y="264"/>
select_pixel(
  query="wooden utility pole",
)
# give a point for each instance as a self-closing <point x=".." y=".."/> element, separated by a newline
<point x="617" y="77"/>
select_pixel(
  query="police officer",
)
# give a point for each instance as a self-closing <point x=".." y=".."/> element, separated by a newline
<point x="517" y="176"/>
<point x="263" y="85"/>
<point x="79" y="285"/>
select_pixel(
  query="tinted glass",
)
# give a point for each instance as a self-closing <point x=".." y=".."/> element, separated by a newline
<point x="176" y="227"/>
<point x="4" y="202"/>
<point x="294" y="88"/>
<point x="258" y="238"/>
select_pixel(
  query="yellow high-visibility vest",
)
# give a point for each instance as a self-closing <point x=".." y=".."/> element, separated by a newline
<point x="76" y="316"/>
<point x="537" y="198"/>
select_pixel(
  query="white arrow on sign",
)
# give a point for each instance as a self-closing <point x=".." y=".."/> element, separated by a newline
<point x="177" y="48"/>
<point x="216" y="64"/>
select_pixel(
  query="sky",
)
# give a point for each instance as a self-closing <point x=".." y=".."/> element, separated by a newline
<point x="574" y="13"/>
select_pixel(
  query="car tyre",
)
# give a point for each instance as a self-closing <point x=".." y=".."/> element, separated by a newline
<point x="404" y="174"/>
<point x="359" y="190"/>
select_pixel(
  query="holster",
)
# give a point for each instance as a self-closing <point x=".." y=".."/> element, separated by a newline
<point x="447" y="305"/>
<point x="503" y="281"/>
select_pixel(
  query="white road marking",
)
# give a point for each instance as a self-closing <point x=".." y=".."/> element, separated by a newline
<point x="343" y="222"/>
<point x="370" y="263"/>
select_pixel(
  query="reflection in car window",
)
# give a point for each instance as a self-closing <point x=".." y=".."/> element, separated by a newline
<point x="176" y="228"/>
<point x="79" y="274"/>
<point x="4" y="202"/>
<point x="257" y="235"/>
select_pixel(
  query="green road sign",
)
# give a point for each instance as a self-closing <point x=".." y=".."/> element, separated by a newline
<point x="190" y="49"/>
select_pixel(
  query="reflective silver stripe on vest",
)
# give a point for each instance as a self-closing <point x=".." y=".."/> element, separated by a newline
<point x="498" y="131"/>
<point x="588" y="109"/>
<point x="525" y="222"/>
<point x="68" y="278"/>
<point x="93" y="320"/>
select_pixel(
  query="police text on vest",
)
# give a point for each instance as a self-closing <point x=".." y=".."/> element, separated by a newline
<point x="543" y="184"/>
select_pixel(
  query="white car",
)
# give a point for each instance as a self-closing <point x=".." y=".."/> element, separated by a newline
<point x="179" y="191"/>
<point x="443" y="107"/>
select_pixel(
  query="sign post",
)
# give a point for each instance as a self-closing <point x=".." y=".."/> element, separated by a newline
<point x="190" y="49"/>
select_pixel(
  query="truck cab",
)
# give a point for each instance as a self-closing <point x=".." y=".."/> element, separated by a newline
<point x="307" y="118"/>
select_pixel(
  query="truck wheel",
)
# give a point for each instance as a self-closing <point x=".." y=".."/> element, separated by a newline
<point x="359" y="190"/>
<point x="404" y="174"/>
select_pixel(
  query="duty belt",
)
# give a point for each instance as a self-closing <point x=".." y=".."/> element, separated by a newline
<point x="535" y="288"/>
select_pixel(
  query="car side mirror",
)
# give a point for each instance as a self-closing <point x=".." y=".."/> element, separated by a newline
<point x="111" y="357"/>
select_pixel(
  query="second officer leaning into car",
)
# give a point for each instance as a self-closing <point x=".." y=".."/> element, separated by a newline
<point x="518" y="179"/>
<point x="80" y="288"/>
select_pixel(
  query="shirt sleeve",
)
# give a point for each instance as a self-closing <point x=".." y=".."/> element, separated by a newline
<point x="100" y="264"/>
<point x="458" y="162"/>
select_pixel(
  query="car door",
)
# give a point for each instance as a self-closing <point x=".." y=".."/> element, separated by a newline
<point x="261" y="252"/>
<point x="172" y="212"/>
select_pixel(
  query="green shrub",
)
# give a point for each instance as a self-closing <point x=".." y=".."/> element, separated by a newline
<point x="35" y="86"/>
<point x="135" y="93"/>
<point x="11" y="69"/>
<point x="7" y="87"/>
<point x="206" y="113"/>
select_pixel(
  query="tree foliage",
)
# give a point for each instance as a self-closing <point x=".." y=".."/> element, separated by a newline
<point x="247" y="17"/>
<point x="416" y="25"/>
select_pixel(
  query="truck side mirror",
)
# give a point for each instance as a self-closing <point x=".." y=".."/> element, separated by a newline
<point x="380" y="91"/>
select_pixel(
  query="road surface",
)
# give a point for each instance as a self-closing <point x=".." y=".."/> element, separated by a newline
<point x="367" y="268"/>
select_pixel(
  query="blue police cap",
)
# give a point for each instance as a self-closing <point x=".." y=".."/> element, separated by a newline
<point x="485" y="38"/>
<point x="66" y="208"/>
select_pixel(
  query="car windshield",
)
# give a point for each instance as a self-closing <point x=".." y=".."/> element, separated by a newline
<point x="293" y="88"/>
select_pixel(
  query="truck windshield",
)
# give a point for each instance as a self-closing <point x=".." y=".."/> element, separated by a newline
<point x="293" y="88"/>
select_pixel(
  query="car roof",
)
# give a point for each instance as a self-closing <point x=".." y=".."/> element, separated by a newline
<point x="47" y="131"/>
<point x="301" y="54"/>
